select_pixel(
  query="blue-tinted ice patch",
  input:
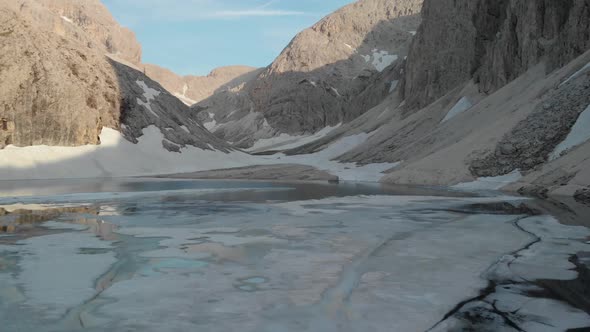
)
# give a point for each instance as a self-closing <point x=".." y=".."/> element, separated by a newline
<point x="255" y="280"/>
<point x="462" y="105"/>
<point x="55" y="275"/>
<point x="176" y="265"/>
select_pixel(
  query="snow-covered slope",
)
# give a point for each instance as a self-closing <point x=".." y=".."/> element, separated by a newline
<point x="114" y="157"/>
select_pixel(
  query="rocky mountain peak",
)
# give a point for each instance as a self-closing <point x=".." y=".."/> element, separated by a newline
<point x="329" y="74"/>
<point x="356" y="28"/>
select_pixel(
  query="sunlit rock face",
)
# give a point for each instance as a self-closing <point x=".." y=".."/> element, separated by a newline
<point x="53" y="90"/>
<point x="192" y="89"/>
<point x="88" y="22"/>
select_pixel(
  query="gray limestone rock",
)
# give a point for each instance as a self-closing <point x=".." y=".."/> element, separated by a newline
<point x="330" y="73"/>
<point x="492" y="42"/>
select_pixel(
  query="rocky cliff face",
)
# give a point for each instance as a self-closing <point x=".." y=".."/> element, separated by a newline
<point x="57" y="90"/>
<point x="88" y="22"/>
<point x="53" y="91"/>
<point x="491" y="42"/>
<point x="330" y="73"/>
<point x="495" y="91"/>
<point x="192" y="89"/>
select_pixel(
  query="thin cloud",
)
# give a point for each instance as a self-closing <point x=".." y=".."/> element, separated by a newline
<point x="253" y="13"/>
<point x="268" y="4"/>
<point x="194" y="10"/>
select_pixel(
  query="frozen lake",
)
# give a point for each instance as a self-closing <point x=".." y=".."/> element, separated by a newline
<point x="162" y="255"/>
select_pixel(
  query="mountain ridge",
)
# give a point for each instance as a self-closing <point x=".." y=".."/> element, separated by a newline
<point x="315" y="81"/>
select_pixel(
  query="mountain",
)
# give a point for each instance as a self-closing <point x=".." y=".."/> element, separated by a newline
<point x="192" y="89"/>
<point x="494" y="94"/>
<point x="329" y="74"/>
<point x="60" y="89"/>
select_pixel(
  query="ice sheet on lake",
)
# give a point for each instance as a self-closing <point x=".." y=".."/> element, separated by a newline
<point x="547" y="257"/>
<point x="357" y="263"/>
<point x="384" y="249"/>
<point x="54" y="274"/>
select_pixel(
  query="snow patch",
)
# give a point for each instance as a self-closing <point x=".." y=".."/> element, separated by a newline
<point x="576" y="74"/>
<point x="462" y="105"/>
<point x="381" y="59"/>
<point x="393" y="85"/>
<point x="324" y="160"/>
<point x="286" y="141"/>
<point x="579" y="134"/>
<point x="211" y="125"/>
<point x="149" y="94"/>
<point x="182" y="96"/>
<point x="185" y="129"/>
<point x="67" y="19"/>
<point x="490" y="183"/>
<point x="336" y="91"/>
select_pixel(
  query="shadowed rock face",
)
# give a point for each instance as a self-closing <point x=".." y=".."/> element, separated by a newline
<point x="491" y="42"/>
<point x="146" y="103"/>
<point x="59" y="91"/>
<point x="330" y="73"/>
<point x="583" y="195"/>
<point x="530" y="143"/>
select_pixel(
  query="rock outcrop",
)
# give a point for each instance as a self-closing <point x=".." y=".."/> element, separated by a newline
<point x="146" y="103"/>
<point x="53" y="91"/>
<point x="329" y="74"/>
<point x="58" y="90"/>
<point x="491" y="42"/>
<point x="89" y="22"/>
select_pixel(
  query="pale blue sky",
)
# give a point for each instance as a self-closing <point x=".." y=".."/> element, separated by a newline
<point x="195" y="36"/>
